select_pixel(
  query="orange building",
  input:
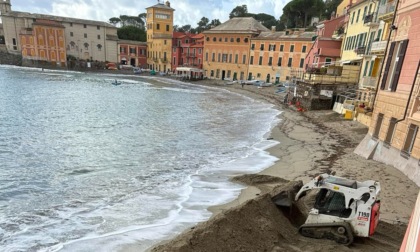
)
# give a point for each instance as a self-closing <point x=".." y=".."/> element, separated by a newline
<point x="45" y="41"/>
<point x="279" y="56"/>
<point x="226" y="48"/>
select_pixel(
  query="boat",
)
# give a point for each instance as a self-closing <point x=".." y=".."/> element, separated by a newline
<point x="116" y="83"/>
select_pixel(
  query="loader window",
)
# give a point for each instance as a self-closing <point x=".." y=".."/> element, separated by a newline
<point x="331" y="203"/>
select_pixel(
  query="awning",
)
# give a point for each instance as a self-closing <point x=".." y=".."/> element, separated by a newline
<point x="189" y="69"/>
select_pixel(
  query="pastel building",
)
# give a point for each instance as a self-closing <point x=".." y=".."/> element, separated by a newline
<point x="279" y="56"/>
<point x="393" y="134"/>
<point x="227" y="48"/>
<point x="84" y="39"/>
<point x="187" y="50"/>
<point x="132" y="53"/>
<point x="45" y="41"/>
<point x="159" y="36"/>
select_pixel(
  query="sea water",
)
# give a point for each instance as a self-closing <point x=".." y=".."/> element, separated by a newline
<point x="89" y="166"/>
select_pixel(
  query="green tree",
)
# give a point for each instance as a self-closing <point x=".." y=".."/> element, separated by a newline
<point x="131" y="32"/>
<point x="114" y="20"/>
<point x="214" y="23"/>
<point x="239" y="11"/>
<point x="202" y="24"/>
<point x="266" y="20"/>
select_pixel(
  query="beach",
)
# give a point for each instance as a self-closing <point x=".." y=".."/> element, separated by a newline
<point x="310" y="143"/>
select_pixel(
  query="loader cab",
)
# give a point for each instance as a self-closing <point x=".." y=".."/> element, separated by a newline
<point x="331" y="203"/>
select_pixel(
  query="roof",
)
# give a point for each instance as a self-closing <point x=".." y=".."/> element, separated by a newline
<point x="161" y="6"/>
<point x="307" y="36"/>
<point x="55" y="18"/>
<point x="132" y="42"/>
<point x="239" y="25"/>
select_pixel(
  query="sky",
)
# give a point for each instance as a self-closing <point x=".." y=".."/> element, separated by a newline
<point x="186" y="11"/>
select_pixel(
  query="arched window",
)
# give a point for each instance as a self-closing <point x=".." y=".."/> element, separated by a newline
<point x="40" y="40"/>
<point x="214" y="39"/>
<point x="51" y="41"/>
<point x="53" y="58"/>
<point x="23" y="42"/>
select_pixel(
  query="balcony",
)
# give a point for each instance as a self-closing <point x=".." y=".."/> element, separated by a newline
<point x="386" y="11"/>
<point x="378" y="47"/>
<point x="332" y="75"/>
<point x="369" y="82"/>
<point x="360" y="50"/>
<point x="338" y="33"/>
<point x="371" y="20"/>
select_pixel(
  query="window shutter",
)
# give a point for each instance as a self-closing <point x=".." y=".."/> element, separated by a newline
<point x="387" y="65"/>
<point x="401" y="55"/>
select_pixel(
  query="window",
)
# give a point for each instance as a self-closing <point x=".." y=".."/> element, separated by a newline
<point x="390" y="133"/>
<point x="14" y="44"/>
<point x="270" y="61"/>
<point x="272" y="47"/>
<point x="99" y="36"/>
<point x="164" y="42"/>
<point x="122" y="49"/>
<point x="302" y="61"/>
<point x="395" y="60"/>
<point x="358" y="14"/>
<point x="289" y="63"/>
<point x="251" y="61"/>
<point x="71" y="24"/>
<point x="214" y="39"/>
<point x="279" y="61"/>
<point x="232" y="40"/>
<point x="84" y="26"/>
<point x="85" y="35"/>
<point x="71" y="34"/>
<point x="364" y="12"/>
<point x="304" y="48"/>
<point x="246" y="40"/>
<point x="260" y="61"/>
<point x="98" y="27"/>
<point x="224" y="57"/>
<point x="238" y="40"/>
<point x="375" y="134"/>
<point x="157" y="26"/>
<point x="217" y="73"/>
<point x="328" y="61"/>
<point x="352" y="17"/>
<point x="252" y="46"/>
<point x="218" y="57"/>
<point x="262" y="47"/>
<point x="212" y="73"/>
<point x="213" y="56"/>
<point x="226" y="40"/>
<point x="236" y="58"/>
<point x="132" y="50"/>
<point x="200" y="51"/>
<point x="167" y="28"/>
<point x="409" y="140"/>
<point x="230" y="58"/>
<point x="207" y="56"/>
<point x="174" y="62"/>
<point x="243" y="59"/>
<point x="292" y="48"/>
<point x="281" y="48"/>
<point x="228" y="74"/>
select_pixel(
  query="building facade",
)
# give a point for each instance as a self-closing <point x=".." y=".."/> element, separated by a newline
<point x="84" y="39"/>
<point x="279" y="56"/>
<point x="187" y="50"/>
<point x="45" y="41"/>
<point x="227" y="48"/>
<point x="133" y="53"/>
<point x="393" y="134"/>
<point x="159" y="36"/>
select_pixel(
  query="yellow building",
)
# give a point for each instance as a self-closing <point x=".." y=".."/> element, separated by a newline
<point x="279" y="56"/>
<point x="160" y="19"/>
<point x="227" y="46"/>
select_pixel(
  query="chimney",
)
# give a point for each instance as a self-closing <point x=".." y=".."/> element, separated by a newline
<point x="273" y="29"/>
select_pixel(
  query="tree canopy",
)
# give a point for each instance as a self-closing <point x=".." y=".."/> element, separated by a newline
<point x="131" y="32"/>
<point x="130" y="27"/>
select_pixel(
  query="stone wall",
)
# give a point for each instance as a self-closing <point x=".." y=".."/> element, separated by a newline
<point x="9" y="59"/>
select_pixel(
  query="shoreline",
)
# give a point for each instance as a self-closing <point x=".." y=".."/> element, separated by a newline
<point x="312" y="143"/>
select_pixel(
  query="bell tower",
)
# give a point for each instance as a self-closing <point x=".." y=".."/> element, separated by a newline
<point x="5" y="6"/>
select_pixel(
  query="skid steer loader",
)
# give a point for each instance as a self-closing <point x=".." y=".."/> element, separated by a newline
<point x="343" y="208"/>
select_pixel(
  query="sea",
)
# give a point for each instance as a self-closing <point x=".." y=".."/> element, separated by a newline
<point x="90" y="166"/>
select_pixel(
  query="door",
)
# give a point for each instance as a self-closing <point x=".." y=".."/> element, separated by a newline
<point x="268" y="78"/>
<point x="235" y="77"/>
<point x="223" y="74"/>
<point x="277" y="80"/>
<point x="133" y="62"/>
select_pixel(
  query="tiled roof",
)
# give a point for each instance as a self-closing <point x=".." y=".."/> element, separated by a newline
<point x="239" y="25"/>
<point x="160" y="6"/>
<point x="55" y="18"/>
<point x="281" y="35"/>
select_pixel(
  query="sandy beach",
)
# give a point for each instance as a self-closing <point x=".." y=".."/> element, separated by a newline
<point x="311" y="143"/>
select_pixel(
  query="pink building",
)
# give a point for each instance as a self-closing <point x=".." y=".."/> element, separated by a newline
<point x="187" y="50"/>
<point x="327" y="47"/>
<point x="132" y="53"/>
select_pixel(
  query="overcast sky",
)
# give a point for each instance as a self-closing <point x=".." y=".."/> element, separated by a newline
<point x="186" y="11"/>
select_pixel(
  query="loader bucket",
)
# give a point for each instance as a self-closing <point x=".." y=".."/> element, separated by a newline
<point x="282" y="199"/>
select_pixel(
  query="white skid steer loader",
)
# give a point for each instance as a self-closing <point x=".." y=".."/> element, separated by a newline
<point x="343" y="208"/>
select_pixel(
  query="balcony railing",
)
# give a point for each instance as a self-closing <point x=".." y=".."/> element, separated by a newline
<point x="360" y="50"/>
<point x="378" y="47"/>
<point x="371" y="20"/>
<point x="369" y="82"/>
<point x="386" y="11"/>
<point x="332" y="75"/>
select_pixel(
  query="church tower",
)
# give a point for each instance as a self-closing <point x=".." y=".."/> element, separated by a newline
<point x="160" y="20"/>
<point x="5" y="6"/>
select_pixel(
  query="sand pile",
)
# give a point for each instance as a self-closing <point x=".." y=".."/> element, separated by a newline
<point x="259" y="225"/>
